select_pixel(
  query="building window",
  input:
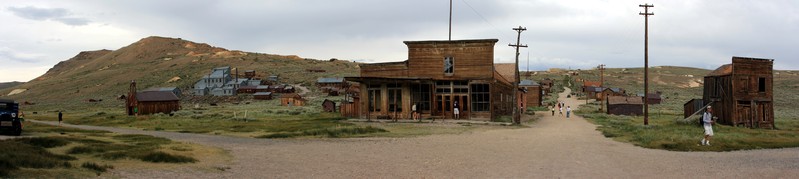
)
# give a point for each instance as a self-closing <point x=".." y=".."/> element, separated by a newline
<point x="480" y="97"/>
<point x="421" y="96"/>
<point x="449" y="65"/>
<point x="394" y="98"/>
<point x="374" y="99"/>
<point x="761" y="85"/>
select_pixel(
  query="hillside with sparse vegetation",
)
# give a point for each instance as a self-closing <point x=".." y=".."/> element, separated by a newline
<point x="158" y="62"/>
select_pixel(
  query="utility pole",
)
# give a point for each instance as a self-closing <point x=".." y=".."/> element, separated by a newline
<point x="450" y="20"/>
<point x="646" y="15"/>
<point x="516" y="115"/>
<point x="601" y="68"/>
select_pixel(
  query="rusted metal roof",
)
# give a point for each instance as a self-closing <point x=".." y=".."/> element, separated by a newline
<point x="624" y="100"/>
<point x="506" y="70"/>
<point x="156" y="96"/>
<point x="591" y="83"/>
<point x="722" y="70"/>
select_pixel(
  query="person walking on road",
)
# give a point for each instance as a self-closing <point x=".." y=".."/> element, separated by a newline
<point x="707" y="120"/>
<point x="60" y="117"/>
<point x="568" y="111"/>
<point x="553" y="110"/>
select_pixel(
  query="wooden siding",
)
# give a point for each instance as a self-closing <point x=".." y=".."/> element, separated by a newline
<point x="152" y="107"/>
<point x="472" y="59"/>
<point x="534" y="98"/>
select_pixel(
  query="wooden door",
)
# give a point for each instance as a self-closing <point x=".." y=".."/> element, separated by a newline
<point x="463" y="105"/>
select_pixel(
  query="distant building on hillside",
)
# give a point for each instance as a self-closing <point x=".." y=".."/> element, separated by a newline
<point x="213" y="83"/>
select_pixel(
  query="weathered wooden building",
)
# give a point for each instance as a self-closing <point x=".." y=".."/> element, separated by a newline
<point x="606" y="92"/>
<point x="534" y="93"/>
<point x="742" y="92"/>
<point x="436" y="76"/>
<point x="291" y="99"/>
<point x="587" y="84"/>
<point x="150" y="102"/>
<point x="174" y="90"/>
<point x="546" y="85"/>
<point x="692" y="106"/>
<point x="625" y="105"/>
<point x="262" y="96"/>
<point x="328" y="105"/>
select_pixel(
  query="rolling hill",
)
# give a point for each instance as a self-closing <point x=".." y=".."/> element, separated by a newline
<point x="159" y="62"/>
<point x="5" y="85"/>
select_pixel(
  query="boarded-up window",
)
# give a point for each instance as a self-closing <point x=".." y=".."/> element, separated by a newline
<point x="480" y="97"/>
<point x="761" y="85"/>
<point x="449" y="65"/>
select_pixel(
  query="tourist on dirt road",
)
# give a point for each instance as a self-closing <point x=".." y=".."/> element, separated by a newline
<point x="568" y="111"/>
<point x="60" y="117"/>
<point x="553" y="110"/>
<point x="708" y="121"/>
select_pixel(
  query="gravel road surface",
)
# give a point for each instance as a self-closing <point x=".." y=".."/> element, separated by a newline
<point x="554" y="147"/>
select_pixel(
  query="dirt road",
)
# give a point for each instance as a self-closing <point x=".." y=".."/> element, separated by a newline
<point x="555" y="147"/>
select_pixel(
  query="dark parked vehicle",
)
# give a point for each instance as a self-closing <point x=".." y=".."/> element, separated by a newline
<point x="10" y="120"/>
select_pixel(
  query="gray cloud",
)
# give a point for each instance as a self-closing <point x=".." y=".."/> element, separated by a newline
<point x="54" y="14"/>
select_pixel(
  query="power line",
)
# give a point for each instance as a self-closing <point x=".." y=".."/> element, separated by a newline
<point x="484" y="19"/>
<point x="516" y="110"/>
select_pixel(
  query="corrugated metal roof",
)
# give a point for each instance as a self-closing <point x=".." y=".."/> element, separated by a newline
<point x="161" y="89"/>
<point x="330" y="80"/>
<point x="262" y="87"/>
<point x="156" y="96"/>
<point x="625" y="100"/>
<point x="528" y="83"/>
<point x="262" y="94"/>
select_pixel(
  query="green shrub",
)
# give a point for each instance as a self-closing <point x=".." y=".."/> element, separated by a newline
<point x="97" y="168"/>
<point x="18" y="154"/>
<point x="161" y="157"/>
<point x="45" y="142"/>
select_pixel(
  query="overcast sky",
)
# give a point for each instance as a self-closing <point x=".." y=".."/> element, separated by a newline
<point x="36" y="35"/>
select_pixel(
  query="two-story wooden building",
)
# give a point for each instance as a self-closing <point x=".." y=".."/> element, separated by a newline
<point x="436" y="76"/>
<point x="742" y="92"/>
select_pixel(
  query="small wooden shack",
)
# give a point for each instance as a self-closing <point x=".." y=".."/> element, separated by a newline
<point x="150" y="102"/>
<point x="625" y="105"/>
<point x="546" y="85"/>
<point x="249" y="74"/>
<point x="587" y="84"/>
<point x="331" y="83"/>
<point x="263" y="95"/>
<point x="742" y="92"/>
<point x="606" y="92"/>
<point x="655" y="98"/>
<point x="692" y="106"/>
<point x="328" y="105"/>
<point x="291" y="99"/>
<point x="534" y="93"/>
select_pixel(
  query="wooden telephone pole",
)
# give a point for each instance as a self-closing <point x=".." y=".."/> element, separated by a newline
<point x="646" y="15"/>
<point x="601" y="69"/>
<point x="516" y="111"/>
